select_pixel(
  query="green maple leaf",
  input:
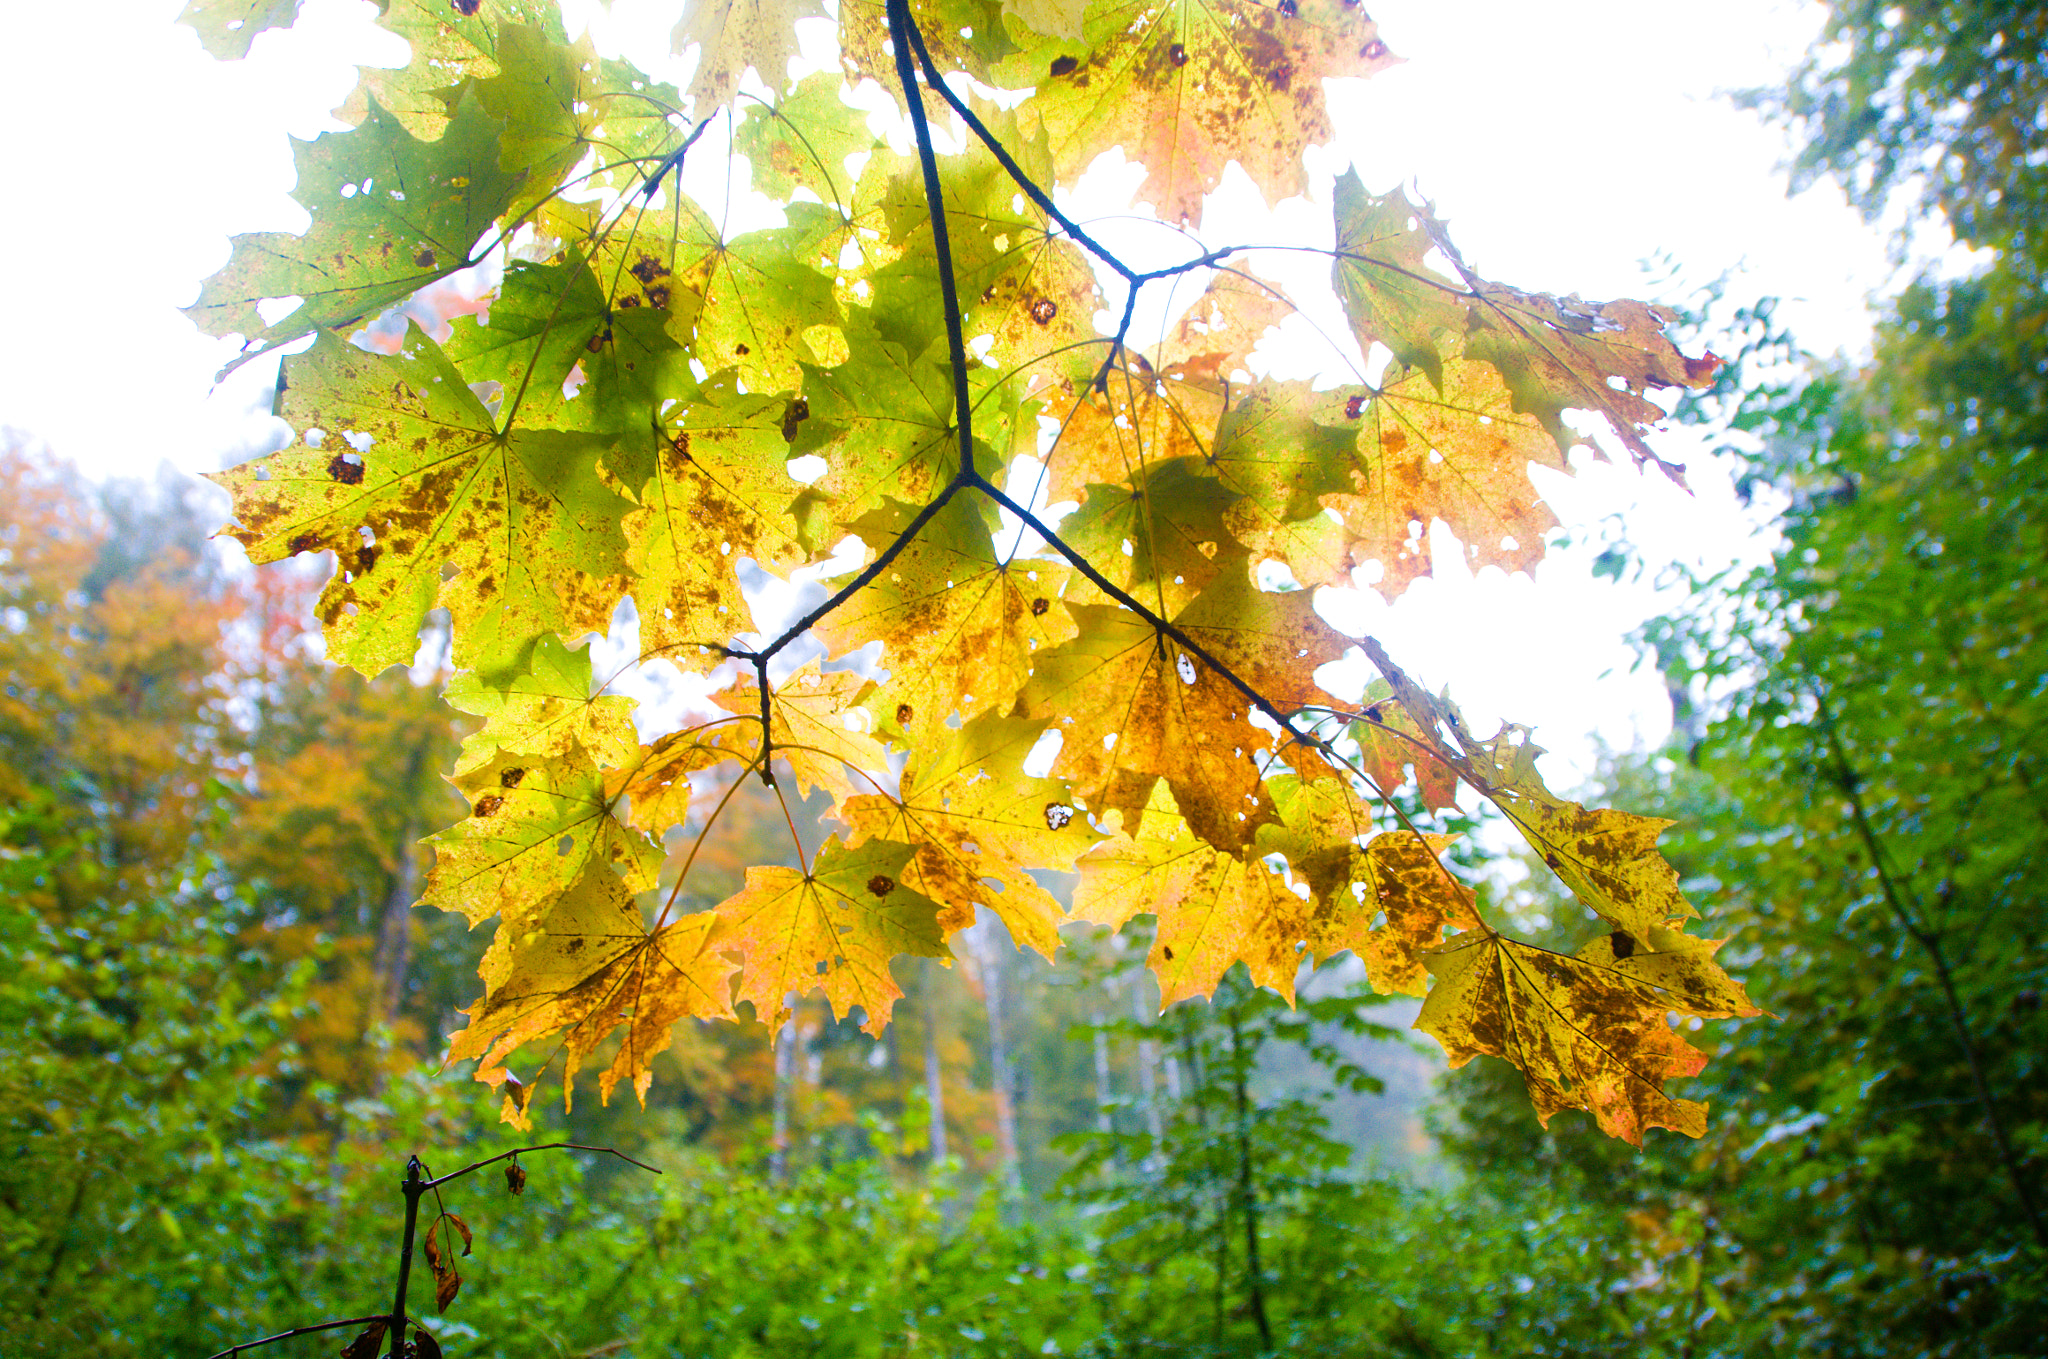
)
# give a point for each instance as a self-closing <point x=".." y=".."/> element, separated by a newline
<point x="538" y="329"/>
<point x="744" y="302"/>
<point x="732" y="35"/>
<point x="390" y="215"/>
<point x="883" y="420"/>
<point x="522" y="517"/>
<point x="1161" y="537"/>
<point x="1033" y="294"/>
<point x="803" y="140"/>
<point x="714" y="490"/>
<point x="543" y="711"/>
<point x="537" y="827"/>
<point x="449" y="48"/>
<point x="1391" y="293"/>
<point x="227" y="27"/>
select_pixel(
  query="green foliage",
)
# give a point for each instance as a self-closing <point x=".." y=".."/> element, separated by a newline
<point x="1952" y="92"/>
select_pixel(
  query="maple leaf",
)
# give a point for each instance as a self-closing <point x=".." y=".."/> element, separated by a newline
<point x="743" y="301"/>
<point x="536" y="826"/>
<point x="959" y="622"/>
<point x="714" y="490"/>
<point x="1132" y="706"/>
<point x="961" y="35"/>
<point x="834" y="927"/>
<point x="390" y="215"/>
<point x="545" y="711"/>
<point x="522" y="516"/>
<point x="657" y="781"/>
<point x="227" y="27"/>
<point x="883" y="420"/>
<point x="449" y="49"/>
<point x="732" y="35"/>
<point x="1391" y="293"/>
<point x="1551" y="354"/>
<point x="1405" y="883"/>
<point x="1138" y="417"/>
<point x="803" y="140"/>
<point x="1586" y="1031"/>
<point x="1187" y="86"/>
<point x="1455" y="450"/>
<point x="981" y="825"/>
<point x="816" y="724"/>
<point x="1034" y="295"/>
<point x="590" y="966"/>
<point x="1214" y="909"/>
<point x="1607" y="858"/>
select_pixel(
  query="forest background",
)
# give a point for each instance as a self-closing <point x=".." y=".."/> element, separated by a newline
<point x="217" y="1011"/>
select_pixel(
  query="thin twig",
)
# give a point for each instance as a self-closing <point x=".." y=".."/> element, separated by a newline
<point x="233" y="1350"/>
<point x="544" y="1146"/>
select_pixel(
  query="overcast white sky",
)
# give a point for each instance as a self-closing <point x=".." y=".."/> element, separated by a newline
<point x="1564" y="142"/>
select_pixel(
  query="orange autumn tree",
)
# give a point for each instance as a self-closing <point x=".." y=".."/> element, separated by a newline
<point x="1067" y="643"/>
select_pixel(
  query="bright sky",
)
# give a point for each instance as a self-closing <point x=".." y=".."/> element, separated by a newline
<point x="1564" y="142"/>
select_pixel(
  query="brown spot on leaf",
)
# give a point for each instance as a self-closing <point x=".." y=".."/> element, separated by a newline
<point x="510" y="778"/>
<point x="366" y="557"/>
<point x="488" y="804"/>
<point x="647" y="269"/>
<point x="903" y="714"/>
<point x="1039" y="606"/>
<point x="1167" y="949"/>
<point x="346" y="472"/>
<point x="657" y="296"/>
<point x="1063" y="66"/>
<point x="1177" y="54"/>
<point x="1057" y="815"/>
<point x="466" y="8"/>
<point x="1288" y="8"/>
<point x="1624" y="944"/>
<point x="741" y="350"/>
<point x="304" y="542"/>
<point x="1354" y="408"/>
<point x="798" y="412"/>
<point x="1043" y="310"/>
<point x="425" y="259"/>
<point x="881" y="884"/>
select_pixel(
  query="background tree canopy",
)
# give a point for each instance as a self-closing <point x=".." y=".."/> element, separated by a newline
<point x="219" y="993"/>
